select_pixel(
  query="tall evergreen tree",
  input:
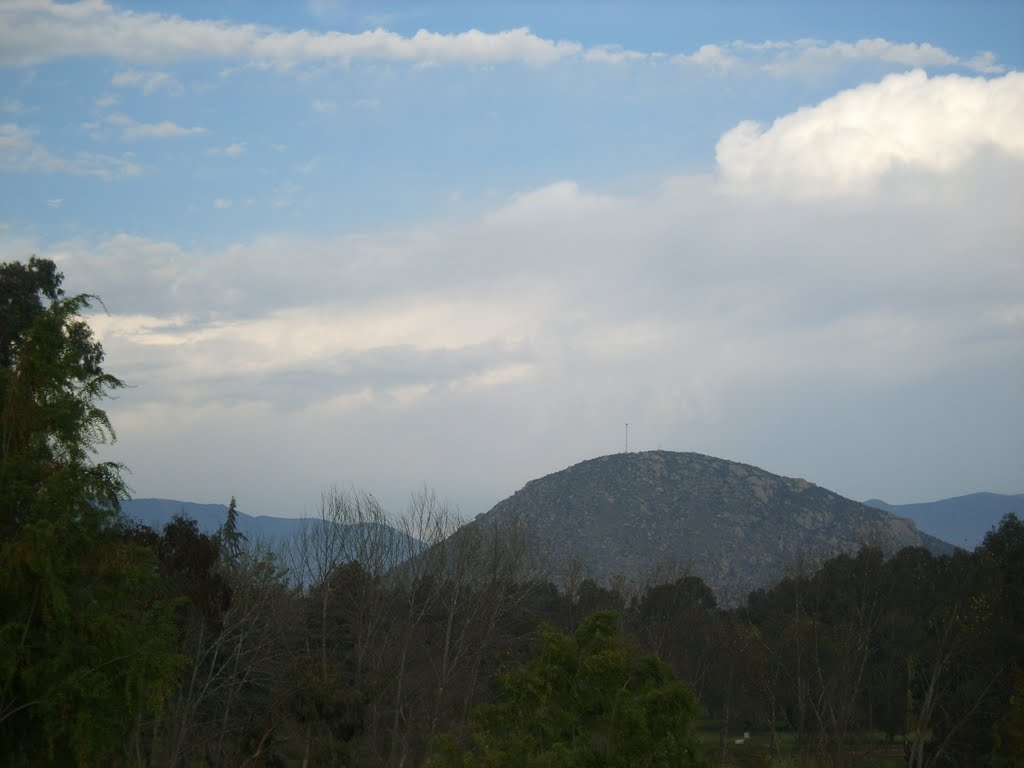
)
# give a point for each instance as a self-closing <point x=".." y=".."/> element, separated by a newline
<point x="230" y="537"/>
<point x="84" y="647"/>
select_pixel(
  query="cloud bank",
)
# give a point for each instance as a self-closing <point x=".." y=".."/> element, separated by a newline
<point x="850" y="270"/>
<point x="35" y="31"/>
<point x="523" y="337"/>
<point x="40" y="30"/>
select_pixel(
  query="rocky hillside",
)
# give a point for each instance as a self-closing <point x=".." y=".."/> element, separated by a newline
<point x="734" y="525"/>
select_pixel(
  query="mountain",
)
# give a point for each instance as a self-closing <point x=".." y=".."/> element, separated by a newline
<point x="963" y="520"/>
<point x="156" y="513"/>
<point x="734" y="525"/>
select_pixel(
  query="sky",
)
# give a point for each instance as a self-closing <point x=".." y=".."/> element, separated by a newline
<point x="389" y="246"/>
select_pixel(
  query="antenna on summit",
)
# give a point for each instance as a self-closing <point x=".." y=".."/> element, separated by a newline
<point x="627" y="437"/>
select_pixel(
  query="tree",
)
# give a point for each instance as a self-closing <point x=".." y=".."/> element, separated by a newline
<point x="235" y="623"/>
<point x="84" y="643"/>
<point x="230" y="537"/>
<point x="676" y="622"/>
<point x="585" y="700"/>
<point x="51" y="379"/>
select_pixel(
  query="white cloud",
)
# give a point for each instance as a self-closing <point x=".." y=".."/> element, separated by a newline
<point x="107" y="101"/>
<point x="236" y="149"/>
<point x="19" y="151"/>
<point x="323" y="105"/>
<point x="149" y="82"/>
<point x="985" y="62"/>
<point x="221" y="203"/>
<point x="34" y="32"/>
<point x="713" y="57"/>
<point x="813" y="58"/>
<point x="711" y="322"/>
<point x="809" y="57"/>
<point x="132" y="129"/>
<point x="850" y="141"/>
<point x="740" y="291"/>
<point x="612" y="54"/>
<point x="55" y="202"/>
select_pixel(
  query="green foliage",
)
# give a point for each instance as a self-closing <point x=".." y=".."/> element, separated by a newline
<point x="51" y="381"/>
<point x="230" y="537"/>
<point x="585" y="700"/>
<point x="85" y="645"/>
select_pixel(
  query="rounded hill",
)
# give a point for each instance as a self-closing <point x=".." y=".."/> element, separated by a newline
<point x="734" y="525"/>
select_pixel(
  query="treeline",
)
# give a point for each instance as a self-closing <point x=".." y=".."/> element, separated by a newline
<point x="379" y="640"/>
<point x="355" y="645"/>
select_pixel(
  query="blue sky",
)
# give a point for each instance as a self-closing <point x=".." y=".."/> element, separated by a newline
<point x="460" y="244"/>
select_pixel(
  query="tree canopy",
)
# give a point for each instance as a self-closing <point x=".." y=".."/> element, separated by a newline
<point x="586" y="700"/>
<point x="84" y="647"/>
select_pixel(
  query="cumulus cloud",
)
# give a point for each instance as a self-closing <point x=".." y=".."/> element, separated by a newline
<point x="20" y="151"/>
<point x="133" y="129"/>
<point x="851" y="141"/>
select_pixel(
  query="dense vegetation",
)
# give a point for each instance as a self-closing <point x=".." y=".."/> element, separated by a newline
<point x="357" y="645"/>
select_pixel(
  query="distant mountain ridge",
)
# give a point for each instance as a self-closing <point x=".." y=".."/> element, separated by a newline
<point x="736" y="526"/>
<point x="962" y="520"/>
<point x="156" y="513"/>
<point x="272" y="531"/>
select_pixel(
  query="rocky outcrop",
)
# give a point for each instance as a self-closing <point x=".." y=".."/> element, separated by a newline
<point x="734" y="525"/>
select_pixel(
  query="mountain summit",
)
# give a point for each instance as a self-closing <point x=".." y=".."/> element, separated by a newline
<point x="734" y="525"/>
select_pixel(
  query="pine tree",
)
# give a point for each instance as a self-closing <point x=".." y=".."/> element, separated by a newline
<point x="230" y="537"/>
